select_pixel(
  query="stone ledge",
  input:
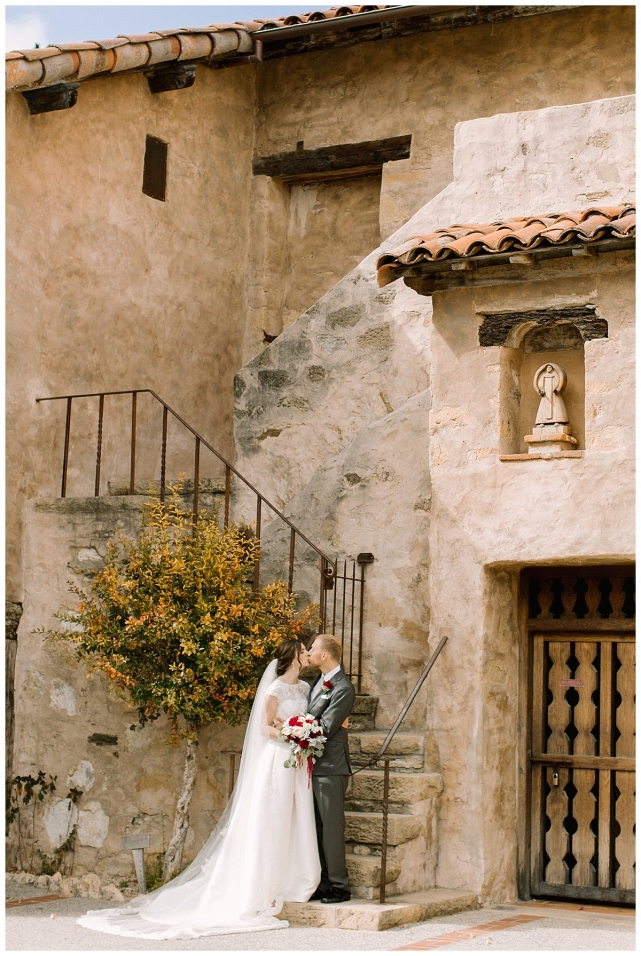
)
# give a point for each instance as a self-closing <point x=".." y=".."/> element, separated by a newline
<point x="368" y="915"/>
<point x="545" y="455"/>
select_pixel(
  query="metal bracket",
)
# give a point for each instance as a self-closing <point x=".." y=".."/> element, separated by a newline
<point x="365" y="557"/>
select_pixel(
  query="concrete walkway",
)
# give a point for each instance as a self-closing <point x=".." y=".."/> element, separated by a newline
<point x="551" y="927"/>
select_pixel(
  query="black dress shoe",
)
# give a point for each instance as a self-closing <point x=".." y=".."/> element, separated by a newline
<point x="337" y="896"/>
<point x="320" y="893"/>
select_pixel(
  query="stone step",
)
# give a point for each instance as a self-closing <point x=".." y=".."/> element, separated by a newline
<point x="403" y="787"/>
<point x="365" y="871"/>
<point x="405" y="749"/>
<point x="367" y="828"/>
<point x="368" y="915"/>
<point x="363" y="714"/>
<point x="370" y="742"/>
<point x="364" y="704"/>
<point x="206" y="486"/>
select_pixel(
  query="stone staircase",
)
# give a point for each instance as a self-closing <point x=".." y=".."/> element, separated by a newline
<point x="411" y="894"/>
<point x="413" y="796"/>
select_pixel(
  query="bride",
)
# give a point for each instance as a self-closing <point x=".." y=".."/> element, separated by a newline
<point x="263" y="850"/>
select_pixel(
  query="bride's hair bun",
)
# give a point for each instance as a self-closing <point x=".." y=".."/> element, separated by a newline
<point x="286" y="652"/>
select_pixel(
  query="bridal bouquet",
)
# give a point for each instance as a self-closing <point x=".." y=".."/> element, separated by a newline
<point x="306" y="740"/>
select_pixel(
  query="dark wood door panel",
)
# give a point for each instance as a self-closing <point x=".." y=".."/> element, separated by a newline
<point x="582" y="734"/>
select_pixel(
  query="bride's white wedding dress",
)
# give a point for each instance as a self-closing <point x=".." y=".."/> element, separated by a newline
<point x="262" y="852"/>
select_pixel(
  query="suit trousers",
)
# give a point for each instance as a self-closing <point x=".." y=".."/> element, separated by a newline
<point x="329" y="809"/>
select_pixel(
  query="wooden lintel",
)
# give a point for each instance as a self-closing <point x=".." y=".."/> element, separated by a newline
<point x="330" y="162"/>
<point x="356" y="172"/>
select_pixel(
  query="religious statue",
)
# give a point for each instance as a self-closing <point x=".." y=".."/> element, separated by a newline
<point x="552" y="431"/>
<point x="550" y="381"/>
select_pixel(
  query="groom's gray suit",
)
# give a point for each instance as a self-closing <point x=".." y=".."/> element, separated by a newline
<point x="330" y="776"/>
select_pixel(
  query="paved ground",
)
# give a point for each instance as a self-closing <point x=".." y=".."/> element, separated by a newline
<point x="51" y="926"/>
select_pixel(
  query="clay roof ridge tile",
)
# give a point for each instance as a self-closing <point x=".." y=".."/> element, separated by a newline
<point x="72" y="47"/>
<point x="139" y="37"/>
<point x="40" y="53"/>
<point x="109" y="44"/>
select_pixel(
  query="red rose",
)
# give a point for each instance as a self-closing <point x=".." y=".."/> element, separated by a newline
<point x="303" y="744"/>
<point x="327" y="684"/>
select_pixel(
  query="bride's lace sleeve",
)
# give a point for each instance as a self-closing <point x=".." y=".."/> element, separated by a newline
<point x="277" y="689"/>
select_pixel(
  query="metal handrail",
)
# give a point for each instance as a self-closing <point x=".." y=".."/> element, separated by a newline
<point x="328" y="566"/>
<point x="386" y="761"/>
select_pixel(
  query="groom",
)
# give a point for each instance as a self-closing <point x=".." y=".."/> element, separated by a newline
<point x="331" y="700"/>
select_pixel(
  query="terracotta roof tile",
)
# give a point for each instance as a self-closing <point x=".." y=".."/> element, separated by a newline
<point x="520" y="234"/>
<point x="194" y="46"/>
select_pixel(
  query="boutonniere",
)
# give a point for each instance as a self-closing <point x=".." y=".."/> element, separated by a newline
<point x="327" y="685"/>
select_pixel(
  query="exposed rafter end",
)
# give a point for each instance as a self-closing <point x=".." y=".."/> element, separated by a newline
<point x="177" y="77"/>
<point x="60" y="96"/>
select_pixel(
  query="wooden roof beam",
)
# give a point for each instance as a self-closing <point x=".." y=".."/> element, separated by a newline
<point x="332" y="162"/>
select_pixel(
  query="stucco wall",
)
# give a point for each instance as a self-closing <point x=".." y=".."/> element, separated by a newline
<point x="108" y="288"/>
<point x="490" y="518"/>
<point x="327" y="405"/>
<point x="425" y="85"/>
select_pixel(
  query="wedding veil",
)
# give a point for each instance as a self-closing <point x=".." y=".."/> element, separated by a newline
<point x="252" y="747"/>
<point x="193" y="904"/>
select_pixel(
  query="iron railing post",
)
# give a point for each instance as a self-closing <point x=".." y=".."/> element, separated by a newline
<point x="257" y="562"/>
<point x="386" y="761"/>
<point x="227" y="493"/>
<point x="360" y="628"/>
<point x="163" y="454"/>
<point x="292" y="546"/>
<point x="196" y="480"/>
<point x="65" y="455"/>
<point x="101" y="409"/>
<point x="132" y="464"/>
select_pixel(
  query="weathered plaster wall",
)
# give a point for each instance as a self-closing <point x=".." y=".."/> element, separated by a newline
<point x="361" y="352"/>
<point x="307" y="407"/>
<point x="305" y="238"/>
<point x="130" y="785"/>
<point x="425" y="85"/>
<point x="108" y="288"/>
<point x="490" y="518"/>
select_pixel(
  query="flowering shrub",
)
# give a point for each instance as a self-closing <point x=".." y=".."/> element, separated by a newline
<point x="173" y="623"/>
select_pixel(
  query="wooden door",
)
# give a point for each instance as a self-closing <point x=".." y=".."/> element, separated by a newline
<point x="581" y="761"/>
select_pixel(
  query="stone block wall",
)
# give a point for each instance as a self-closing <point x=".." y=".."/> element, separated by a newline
<point x="73" y="726"/>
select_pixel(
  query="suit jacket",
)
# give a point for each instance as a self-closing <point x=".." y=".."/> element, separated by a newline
<point x="332" y="707"/>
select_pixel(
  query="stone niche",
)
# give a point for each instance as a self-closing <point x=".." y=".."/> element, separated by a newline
<point x="529" y="340"/>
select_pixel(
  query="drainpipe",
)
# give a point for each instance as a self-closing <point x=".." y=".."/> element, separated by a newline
<point x="332" y="25"/>
<point x="255" y="57"/>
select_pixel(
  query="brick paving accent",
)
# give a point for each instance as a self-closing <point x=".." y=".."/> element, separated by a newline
<point x="459" y="936"/>
<point x="34" y="899"/>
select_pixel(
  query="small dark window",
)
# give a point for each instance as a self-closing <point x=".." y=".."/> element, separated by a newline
<point x="154" y="177"/>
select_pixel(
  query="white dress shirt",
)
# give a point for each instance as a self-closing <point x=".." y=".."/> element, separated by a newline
<point x="318" y="686"/>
